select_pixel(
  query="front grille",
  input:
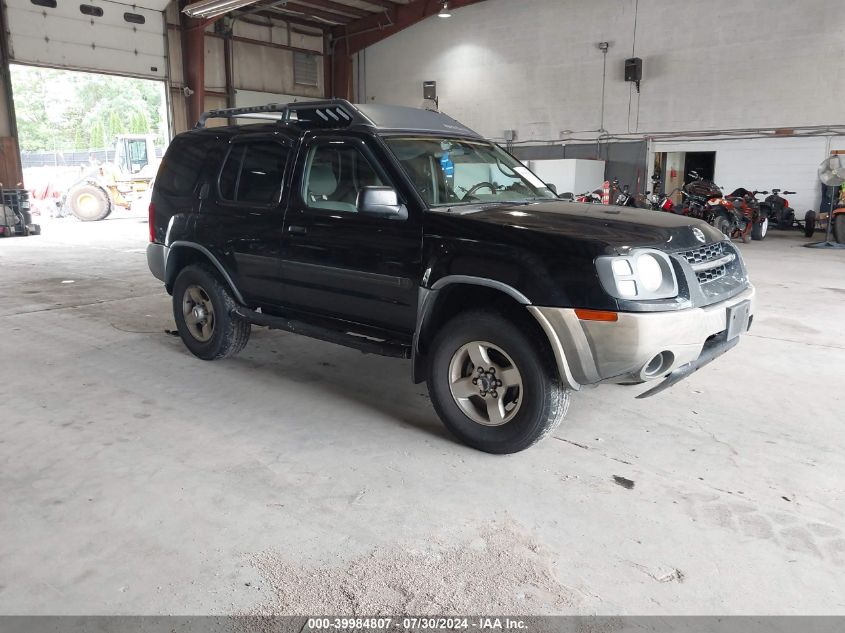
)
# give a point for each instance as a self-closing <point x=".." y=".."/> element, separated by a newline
<point x="717" y="268"/>
<point x="706" y="276"/>
<point x="704" y="253"/>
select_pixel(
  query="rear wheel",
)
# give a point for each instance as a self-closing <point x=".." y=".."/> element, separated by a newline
<point x="839" y="228"/>
<point x="809" y="223"/>
<point x="493" y="385"/>
<point x="759" y="230"/>
<point x="203" y="309"/>
<point x="89" y="203"/>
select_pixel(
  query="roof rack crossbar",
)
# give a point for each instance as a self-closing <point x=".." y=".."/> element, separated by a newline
<point x="327" y="110"/>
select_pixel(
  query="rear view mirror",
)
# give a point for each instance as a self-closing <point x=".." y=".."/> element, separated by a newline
<point x="551" y="188"/>
<point x="382" y="202"/>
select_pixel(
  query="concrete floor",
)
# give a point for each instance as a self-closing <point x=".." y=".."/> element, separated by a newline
<point x="136" y="479"/>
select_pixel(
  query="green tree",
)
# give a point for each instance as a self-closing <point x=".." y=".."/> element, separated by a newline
<point x="66" y="110"/>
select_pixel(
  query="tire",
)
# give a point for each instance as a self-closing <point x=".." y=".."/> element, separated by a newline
<point x="760" y="229"/>
<point x="785" y="218"/>
<point x="809" y="223"/>
<point x="839" y="228"/>
<point x="89" y="203"/>
<point x="219" y="333"/>
<point x="522" y="419"/>
<point x="724" y="225"/>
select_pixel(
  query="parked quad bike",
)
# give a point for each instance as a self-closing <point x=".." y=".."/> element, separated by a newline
<point x="738" y="215"/>
<point x="781" y="215"/>
<point x="101" y="188"/>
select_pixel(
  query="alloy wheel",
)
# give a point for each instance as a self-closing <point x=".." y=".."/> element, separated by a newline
<point x="198" y="311"/>
<point x="485" y="383"/>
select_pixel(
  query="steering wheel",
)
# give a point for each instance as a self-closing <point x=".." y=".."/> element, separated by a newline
<point x="481" y="185"/>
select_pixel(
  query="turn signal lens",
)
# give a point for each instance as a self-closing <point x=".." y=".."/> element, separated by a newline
<point x="596" y="315"/>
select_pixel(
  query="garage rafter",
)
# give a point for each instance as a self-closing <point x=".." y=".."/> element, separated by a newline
<point x="325" y="13"/>
<point x="348" y="39"/>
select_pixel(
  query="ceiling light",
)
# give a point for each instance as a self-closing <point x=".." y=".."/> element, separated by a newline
<point x="214" y="8"/>
<point x="444" y="11"/>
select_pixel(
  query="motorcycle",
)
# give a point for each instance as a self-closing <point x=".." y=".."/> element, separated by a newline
<point x="590" y="197"/>
<point x="781" y="215"/>
<point x="624" y="197"/>
<point x="738" y="215"/>
<point x="697" y="195"/>
<point x="660" y="201"/>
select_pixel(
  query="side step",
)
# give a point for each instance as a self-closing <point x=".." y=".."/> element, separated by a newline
<point x="364" y="344"/>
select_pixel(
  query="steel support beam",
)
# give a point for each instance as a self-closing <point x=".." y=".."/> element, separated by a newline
<point x="193" y="62"/>
<point x="11" y="172"/>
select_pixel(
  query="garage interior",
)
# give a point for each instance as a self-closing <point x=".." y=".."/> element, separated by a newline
<point x="304" y="478"/>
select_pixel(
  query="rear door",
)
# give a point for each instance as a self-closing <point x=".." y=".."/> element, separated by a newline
<point x="340" y="264"/>
<point x="243" y="214"/>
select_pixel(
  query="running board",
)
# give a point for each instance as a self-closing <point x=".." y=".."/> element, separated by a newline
<point x="361" y="343"/>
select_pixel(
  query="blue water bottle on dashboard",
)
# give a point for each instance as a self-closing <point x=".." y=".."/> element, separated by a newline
<point x="447" y="166"/>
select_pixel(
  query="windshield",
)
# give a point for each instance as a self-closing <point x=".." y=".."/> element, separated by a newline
<point x="448" y="172"/>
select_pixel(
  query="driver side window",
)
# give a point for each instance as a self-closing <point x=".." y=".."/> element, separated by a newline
<point x="334" y="175"/>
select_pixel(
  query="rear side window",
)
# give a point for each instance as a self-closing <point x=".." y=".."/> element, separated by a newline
<point x="253" y="173"/>
<point x="181" y="165"/>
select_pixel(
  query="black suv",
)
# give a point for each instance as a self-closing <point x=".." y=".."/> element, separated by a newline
<point x="401" y="232"/>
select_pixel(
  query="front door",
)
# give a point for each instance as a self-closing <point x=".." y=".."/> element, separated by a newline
<point x="338" y="263"/>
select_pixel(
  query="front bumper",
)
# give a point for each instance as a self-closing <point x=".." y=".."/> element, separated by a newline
<point x="627" y="350"/>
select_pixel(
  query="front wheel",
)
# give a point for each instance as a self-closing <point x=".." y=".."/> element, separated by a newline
<point x="839" y="228"/>
<point x="809" y="223"/>
<point x="494" y="386"/>
<point x="759" y="230"/>
<point x="89" y="203"/>
<point x="204" y="312"/>
<point x="724" y="225"/>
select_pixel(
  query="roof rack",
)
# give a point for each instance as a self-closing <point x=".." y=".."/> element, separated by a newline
<point x="330" y="113"/>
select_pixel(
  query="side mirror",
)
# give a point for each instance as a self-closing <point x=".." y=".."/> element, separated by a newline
<point x="381" y="202"/>
<point x="551" y="188"/>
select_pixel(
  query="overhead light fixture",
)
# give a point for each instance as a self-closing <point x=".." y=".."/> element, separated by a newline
<point x="444" y="11"/>
<point x="214" y="8"/>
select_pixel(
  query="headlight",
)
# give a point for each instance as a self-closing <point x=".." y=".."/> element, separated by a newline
<point x="644" y="274"/>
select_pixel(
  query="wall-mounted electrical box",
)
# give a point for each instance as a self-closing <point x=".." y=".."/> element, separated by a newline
<point x="430" y="90"/>
<point x="633" y="69"/>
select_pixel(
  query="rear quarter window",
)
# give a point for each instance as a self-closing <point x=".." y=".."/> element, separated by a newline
<point x="182" y="164"/>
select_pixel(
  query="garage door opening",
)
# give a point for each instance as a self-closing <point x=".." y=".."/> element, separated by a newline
<point x="90" y="143"/>
<point x="673" y="170"/>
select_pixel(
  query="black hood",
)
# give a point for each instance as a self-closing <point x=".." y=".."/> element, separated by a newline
<point x="610" y="228"/>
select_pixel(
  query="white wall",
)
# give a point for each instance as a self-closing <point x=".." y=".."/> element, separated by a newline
<point x="533" y="65"/>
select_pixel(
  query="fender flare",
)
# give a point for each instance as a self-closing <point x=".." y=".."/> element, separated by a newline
<point x="170" y="275"/>
<point x="428" y="299"/>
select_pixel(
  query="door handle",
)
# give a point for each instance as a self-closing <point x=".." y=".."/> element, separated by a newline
<point x="297" y="230"/>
